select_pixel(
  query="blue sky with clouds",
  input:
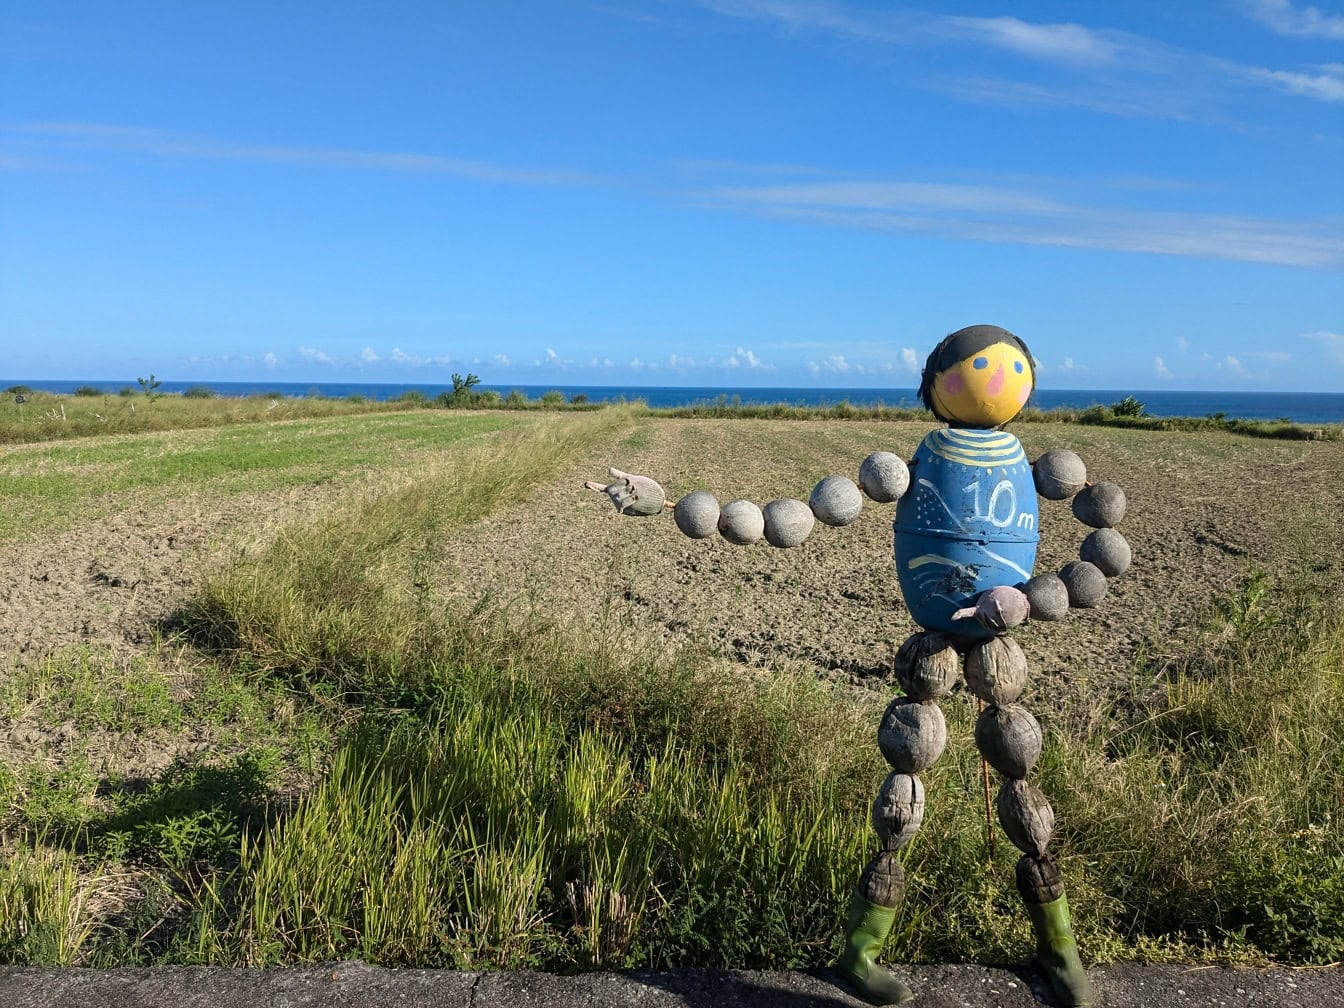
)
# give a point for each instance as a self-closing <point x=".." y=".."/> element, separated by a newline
<point x="670" y="192"/>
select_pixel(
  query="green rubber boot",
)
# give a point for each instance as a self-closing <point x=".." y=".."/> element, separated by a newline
<point x="1057" y="952"/>
<point x="867" y="929"/>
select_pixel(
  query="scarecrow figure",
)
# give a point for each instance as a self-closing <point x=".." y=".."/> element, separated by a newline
<point x="966" y="531"/>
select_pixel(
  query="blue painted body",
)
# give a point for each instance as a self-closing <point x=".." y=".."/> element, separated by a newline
<point x="968" y="523"/>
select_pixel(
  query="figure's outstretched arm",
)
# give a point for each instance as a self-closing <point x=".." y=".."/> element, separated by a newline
<point x="1060" y="474"/>
<point x="836" y="501"/>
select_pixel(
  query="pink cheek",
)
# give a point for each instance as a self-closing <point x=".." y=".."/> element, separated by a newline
<point x="1024" y="395"/>
<point x="953" y="384"/>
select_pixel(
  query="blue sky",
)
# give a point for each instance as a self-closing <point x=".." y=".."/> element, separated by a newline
<point x="670" y="192"/>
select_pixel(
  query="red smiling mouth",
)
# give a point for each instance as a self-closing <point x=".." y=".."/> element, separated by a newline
<point x="995" y="385"/>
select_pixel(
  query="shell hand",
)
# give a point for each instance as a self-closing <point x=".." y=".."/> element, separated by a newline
<point x="631" y="494"/>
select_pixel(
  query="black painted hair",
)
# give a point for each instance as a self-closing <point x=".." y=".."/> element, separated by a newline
<point x="957" y="347"/>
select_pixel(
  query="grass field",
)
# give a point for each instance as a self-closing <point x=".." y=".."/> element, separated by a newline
<point x="337" y="752"/>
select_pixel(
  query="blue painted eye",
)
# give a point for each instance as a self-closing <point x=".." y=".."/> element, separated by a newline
<point x="980" y="363"/>
<point x="1017" y="366"/>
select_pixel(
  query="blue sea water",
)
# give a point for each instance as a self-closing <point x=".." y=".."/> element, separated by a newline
<point x="1299" y="407"/>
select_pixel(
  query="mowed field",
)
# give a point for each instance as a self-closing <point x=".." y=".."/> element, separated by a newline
<point x="395" y="686"/>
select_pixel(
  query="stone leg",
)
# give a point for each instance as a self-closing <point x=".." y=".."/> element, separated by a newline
<point x="1010" y="740"/>
<point x="912" y="736"/>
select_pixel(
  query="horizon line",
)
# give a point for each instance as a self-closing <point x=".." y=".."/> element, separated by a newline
<point x="7" y="383"/>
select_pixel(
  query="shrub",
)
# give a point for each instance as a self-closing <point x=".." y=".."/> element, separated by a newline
<point x="1129" y="407"/>
<point x="88" y="391"/>
<point x="199" y="392"/>
<point x="553" y="398"/>
<point x="413" y="396"/>
<point x="516" y="399"/>
<point x="18" y="390"/>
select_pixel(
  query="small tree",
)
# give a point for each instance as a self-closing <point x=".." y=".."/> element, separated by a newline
<point x="149" y="386"/>
<point x="1129" y="407"/>
<point x="462" y="394"/>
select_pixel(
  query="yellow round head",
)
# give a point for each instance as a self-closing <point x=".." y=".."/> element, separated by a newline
<point x="980" y="376"/>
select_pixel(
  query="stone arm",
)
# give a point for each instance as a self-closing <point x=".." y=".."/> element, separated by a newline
<point x="783" y="523"/>
<point x="1060" y="475"/>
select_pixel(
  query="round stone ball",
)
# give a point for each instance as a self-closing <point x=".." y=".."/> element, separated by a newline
<point x="927" y="665"/>
<point x="898" y="810"/>
<point x="741" y="522"/>
<point x="697" y="514"/>
<point x="912" y="735"/>
<point x="1009" y="738"/>
<point x="996" y="670"/>
<point x="1101" y="505"/>
<point x="787" y="522"/>
<point x="836" y="501"/>
<point x="1085" y="583"/>
<point x="1107" y="550"/>
<point x="1058" y="474"/>
<point x="884" y="477"/>
<point x="1047" y="596"/>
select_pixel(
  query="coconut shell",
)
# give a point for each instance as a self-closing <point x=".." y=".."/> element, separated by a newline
<point x="1026" y="817"/>
<point x="697" y="514"/>
<point x="635" y="495"/>
<point x="741" y="522"/>
<point x="898" y="810"/>
<point x="1009" y="738"/>
<point x="996" y="670"/>
<point x="912" y="735"/>
<point x="927" y="666"/>
<point x="1107" y="550"/>
<point x="1038" y="879"/>
<point x="1101" y="505"/>
<point x="884" y="477"/>
<point x="1047" y="596"/>
<point x="787" y="522"/>
<point x="1085" y="583"/>
<point x="1058" y="474"/>
<point x="883" y="881"/>
<point x="836" y="501"/>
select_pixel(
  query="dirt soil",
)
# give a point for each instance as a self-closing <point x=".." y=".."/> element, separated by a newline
<point x="1203" y="511"/>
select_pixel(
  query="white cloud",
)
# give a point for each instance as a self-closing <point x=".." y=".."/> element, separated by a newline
<point x="312" y="354"/>
<point x="1069" y="366"/>
<point x="550" y="354"/>
<point x="1333" y="343"/>
<point x="1327" y="84"/>
<point x="1231" y="365"/>
<point x="1286" y="19"/>
<point x="910" y="359"/>
<point x="834" y="363"/>
<point x="1182" y="344"/>
<point x="1160" y="369"/>
<point x="271" y="360"/>
<point x="1014" y="214"/>
<point x="401" y="357"/>
<point x="502" y="360"/>
<point x="171" y="143"/>
<point x="1068" y="43"/>
<point x="1101" y="69"/>
<point x="368" y="355"/>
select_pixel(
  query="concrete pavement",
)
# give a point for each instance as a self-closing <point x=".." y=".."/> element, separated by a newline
<point x="355" y="985"/>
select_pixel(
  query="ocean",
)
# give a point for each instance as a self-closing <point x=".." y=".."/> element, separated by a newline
<point x="1299" y="407"/>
